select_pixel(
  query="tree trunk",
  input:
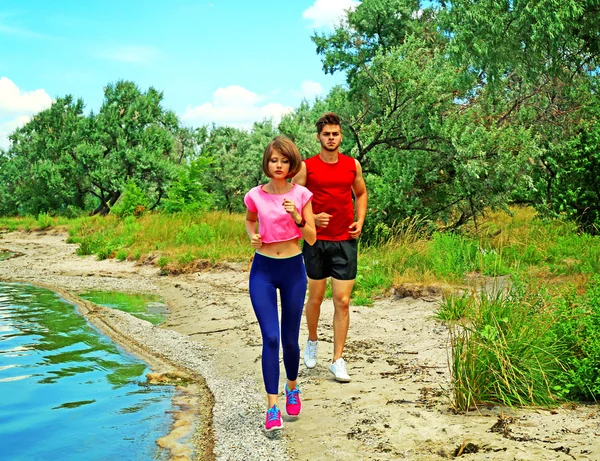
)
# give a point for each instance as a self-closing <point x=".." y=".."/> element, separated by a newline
<point x="104" y="208"/>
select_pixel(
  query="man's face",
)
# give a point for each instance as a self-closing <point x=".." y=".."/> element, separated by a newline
<point x="330" y="137"/>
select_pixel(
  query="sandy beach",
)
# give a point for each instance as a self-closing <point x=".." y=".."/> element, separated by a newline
<point x="396" y="407"/>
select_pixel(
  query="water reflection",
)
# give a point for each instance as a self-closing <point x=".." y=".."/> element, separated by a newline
<point x="63" y="386"/>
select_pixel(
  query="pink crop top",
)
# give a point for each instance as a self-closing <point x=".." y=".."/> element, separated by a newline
<point x="274" y="223"/>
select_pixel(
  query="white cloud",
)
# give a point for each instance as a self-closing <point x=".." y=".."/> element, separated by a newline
<point x="17" y="107"/>
<point x="236" y="107"/>
<point x="308" y="90"/>
<point x="15" y="101"/>
<point x="10" y="126"/>
<point x="130" y="54"/>
<point x="275" y="111"/>
<point x="235" y="95"/>
<point x="328" y="13"/>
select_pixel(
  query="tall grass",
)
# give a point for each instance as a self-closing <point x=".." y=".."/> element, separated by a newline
<point x="514" y="244"/>
<point x="535" y="346"/>
<point x="28" y="223"/>
<point x="580" y="325"/>
<point x="504" y="349"/>
<point x="174" y="239"/>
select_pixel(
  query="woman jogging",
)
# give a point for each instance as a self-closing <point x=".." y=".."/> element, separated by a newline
<point x="284" y="214"/>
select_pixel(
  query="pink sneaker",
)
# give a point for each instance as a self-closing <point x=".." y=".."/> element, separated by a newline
<point x="293" y="405"/>
<point x="274" y="421"/>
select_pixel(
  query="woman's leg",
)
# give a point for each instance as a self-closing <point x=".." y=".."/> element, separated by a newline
<point x="292" y="291"/>
<point x="263" y="296"/>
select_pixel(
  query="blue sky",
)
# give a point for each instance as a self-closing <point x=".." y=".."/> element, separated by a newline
<point x="231" y="62"/>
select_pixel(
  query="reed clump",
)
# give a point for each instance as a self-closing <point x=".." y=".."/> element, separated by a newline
<point x="527" y="345"/>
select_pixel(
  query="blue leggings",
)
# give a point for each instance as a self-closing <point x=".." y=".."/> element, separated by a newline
<point x="289" y="276"/>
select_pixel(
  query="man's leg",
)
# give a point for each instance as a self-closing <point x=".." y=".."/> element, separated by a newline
<point x="341" y="290"/>
<point x="316" y="293"/>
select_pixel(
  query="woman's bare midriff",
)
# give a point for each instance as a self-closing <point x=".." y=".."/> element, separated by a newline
<point x="285" y="249"/>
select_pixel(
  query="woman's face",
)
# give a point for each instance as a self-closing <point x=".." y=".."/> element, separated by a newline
<point x="279" y="165"/>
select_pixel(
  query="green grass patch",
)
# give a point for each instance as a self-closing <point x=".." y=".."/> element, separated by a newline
<point x="505" y="350"/>
<point x="524" y="346"/>
<point x="515" y="244"/>
<point x="179" y="238"/>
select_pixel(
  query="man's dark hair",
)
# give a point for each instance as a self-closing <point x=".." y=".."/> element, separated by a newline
<point x="329" y="118"/>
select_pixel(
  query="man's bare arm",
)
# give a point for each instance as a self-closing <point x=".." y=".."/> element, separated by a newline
<point x="321" y="219"/>
<point x="300" y="177"/>
<point x="361" y="201"/>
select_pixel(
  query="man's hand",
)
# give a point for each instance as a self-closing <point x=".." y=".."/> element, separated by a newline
<point x="355" y="229"/>
<point x="256" y="241"/>
<point x="322" y="219"/>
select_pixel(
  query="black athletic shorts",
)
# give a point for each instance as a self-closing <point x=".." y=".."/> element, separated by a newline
<point x="326" y="258"/>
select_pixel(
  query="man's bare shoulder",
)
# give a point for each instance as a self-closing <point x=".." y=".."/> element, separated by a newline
<point x="300" y="177"/>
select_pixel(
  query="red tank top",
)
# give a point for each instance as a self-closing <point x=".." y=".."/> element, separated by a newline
<point x="331" y="185"/>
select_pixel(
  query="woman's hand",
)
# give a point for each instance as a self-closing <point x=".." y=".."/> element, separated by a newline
<point x="290" y="207"/>
<point x="256" y="240"/>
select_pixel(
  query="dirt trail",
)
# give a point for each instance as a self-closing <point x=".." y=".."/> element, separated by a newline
<point x="397" y="405"/>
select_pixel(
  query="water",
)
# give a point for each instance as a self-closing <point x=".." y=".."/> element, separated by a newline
<point x="66" y="391"/>
<point x="142" y="306"/>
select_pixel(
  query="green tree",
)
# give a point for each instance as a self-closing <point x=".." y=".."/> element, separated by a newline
<point x="188" y="193"/>
<point x="133" y="139"/>
<point x="538" y="63"/>
<point x="300" y="127"/>
<point x="545" y="37"/>
<point x="236" y="163"/>
<point x="189" y="142"/>
<point x="568" y="181"/>
<point x="46" y="175"/>
<point x="447" y="138"/>
<point x="374" y="27"/>
<point x="9" y="205"/>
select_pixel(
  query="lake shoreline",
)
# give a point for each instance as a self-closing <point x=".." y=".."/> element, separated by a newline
<point x="192" y="402"/>
<point x="396" y="406"/>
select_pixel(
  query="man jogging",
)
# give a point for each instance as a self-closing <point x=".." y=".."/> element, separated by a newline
<point x="333" y="178"/>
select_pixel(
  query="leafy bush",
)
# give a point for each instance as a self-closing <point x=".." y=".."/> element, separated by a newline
<point x="580" y="326"/>
<point x="187" y="194"/>
<point x="90" y="244"/>
<point x="105" y="253"/>
<point x="133" y="202"/>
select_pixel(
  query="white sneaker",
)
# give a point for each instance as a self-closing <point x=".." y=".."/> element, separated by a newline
<point x="338" y="368"/>
<point x="310" y="353"/>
